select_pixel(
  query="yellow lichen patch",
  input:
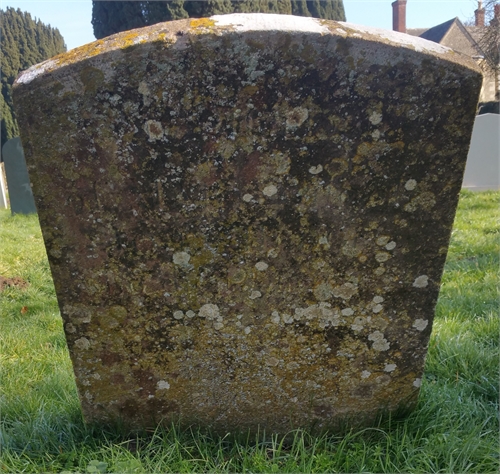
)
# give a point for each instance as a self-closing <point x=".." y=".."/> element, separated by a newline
<point x="128" y="39"/>
<point x="97" y="47"/>
<point x="78" y="54"/>
<point x="197" y="23"/>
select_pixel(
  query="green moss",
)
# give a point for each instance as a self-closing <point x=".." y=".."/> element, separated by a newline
<point x="92" y="79"/>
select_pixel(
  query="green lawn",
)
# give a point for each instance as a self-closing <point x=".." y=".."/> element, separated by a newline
<point x="454" y="429"/>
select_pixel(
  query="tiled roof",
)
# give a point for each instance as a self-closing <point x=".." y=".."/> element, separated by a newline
<point x="437" y="33"/>
<point x="416" y="31"/>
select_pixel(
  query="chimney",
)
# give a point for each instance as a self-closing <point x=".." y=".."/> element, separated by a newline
<point x="399" y="16"/>
<point x="495" y="21"/>
<point x="479" y="14"/>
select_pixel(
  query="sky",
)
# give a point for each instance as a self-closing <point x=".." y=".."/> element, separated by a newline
<point x="73" y="17"/>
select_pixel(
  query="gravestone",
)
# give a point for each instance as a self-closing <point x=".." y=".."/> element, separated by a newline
<point x="482" y="171"/>
<point x="18" y="182"/>
<point x="247" y="216"/>
<point x="3" y="195"/>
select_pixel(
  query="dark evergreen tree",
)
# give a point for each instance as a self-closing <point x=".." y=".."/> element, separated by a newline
<point x="24" y="42"/>
<point x="109" y="17"/>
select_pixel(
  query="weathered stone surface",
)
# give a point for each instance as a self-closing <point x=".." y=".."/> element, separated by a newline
<point x="18" y="182"/>
<point x="247" y="216"/>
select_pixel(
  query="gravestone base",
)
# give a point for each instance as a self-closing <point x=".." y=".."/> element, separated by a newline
<point x="247" y="216"/>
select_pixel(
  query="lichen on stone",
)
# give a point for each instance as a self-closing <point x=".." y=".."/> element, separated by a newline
<point x="242" y="212"/>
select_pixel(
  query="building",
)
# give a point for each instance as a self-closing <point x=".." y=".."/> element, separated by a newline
<point x="455" y="35"/>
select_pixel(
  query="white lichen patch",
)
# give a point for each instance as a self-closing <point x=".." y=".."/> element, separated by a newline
<point x="287" y="318"/>
<point x="410" y="185"/>
<point x="209" y="311"/>
<point x="382" y="257"/>
<point x="390" y="367"/>
<point x="421" y="282"/>
<point x="162" y="385"/>
<point x="70" y="328"/>
<point x="143" y="88"/>
<point x="383" y="379"/>
<point x="347" y="312"/>
<point x="273" y="253"/>
<point x="359" y="324"/>
<point x="275" y="317"/>
<point x="417" y="383"/>
<point x="391" y="245"/>
<point x="377" y="308"/>
<point x="281" y="162"/>
<point x="261" y="266"/>
<point x="420" y="324"/>
<point x="379" y="341"/>
<point x="154" y="129"/>
<point x="323" y="240"/>
<point x="255" y="294"/>
<point x="345" y="291"/>
<point x="247" y="197"/>
<point x="82" y="343"/>
<point x="190" y="314"/>
<point x="322" y="313"/>
<point x="378" y="299"/>
<point x="178" y="314"/>
<point x="425" y="201"/>
<point x="316" y="169"/>
<point x="365" y="374"/>
<point x="379" y="271"/>
<point x="323" y="291"/>
<point x="181" y="259"/>
<point x="270" y="190"/>
<point x="247" y="330"/>
<point x="218" y="326"/>
<point x="375" y="118"/>
<point x="272" y="361"/>
<point x="383" y="240"/>
<point x="296" y="117"/>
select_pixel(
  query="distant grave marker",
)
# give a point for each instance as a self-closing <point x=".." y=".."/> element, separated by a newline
<point x="3" y="195"/>
<point x="247" y="216"/>
<point x="482" y="171"/>
<point x="18" y="182"/>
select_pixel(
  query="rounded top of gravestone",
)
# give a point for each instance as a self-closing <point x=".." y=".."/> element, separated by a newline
<point x="175" y="34"/>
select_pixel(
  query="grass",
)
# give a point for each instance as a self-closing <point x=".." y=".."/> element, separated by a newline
<point x="454" y="429"/>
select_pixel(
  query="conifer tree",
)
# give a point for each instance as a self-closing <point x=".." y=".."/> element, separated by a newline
<point x="109" y="17"/>
<point x="24" y="42"/>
